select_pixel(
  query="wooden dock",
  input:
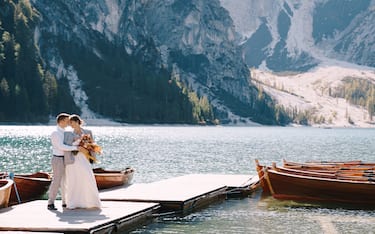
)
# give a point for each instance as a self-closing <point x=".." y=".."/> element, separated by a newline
<point x="124" y="208"/>
<point x="182" y="194"/>
<point x="34" y="217"/>
<point x="237" y="185"/>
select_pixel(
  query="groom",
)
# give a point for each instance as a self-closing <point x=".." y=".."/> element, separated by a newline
<point x="58" y="166"/>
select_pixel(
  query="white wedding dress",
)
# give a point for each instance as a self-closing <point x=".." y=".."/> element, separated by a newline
<point x="80" y="184"/>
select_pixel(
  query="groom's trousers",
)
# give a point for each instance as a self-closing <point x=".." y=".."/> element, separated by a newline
<point x="58" y="170"/>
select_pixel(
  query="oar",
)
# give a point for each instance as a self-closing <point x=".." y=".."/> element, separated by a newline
<point x="11" y="176"/>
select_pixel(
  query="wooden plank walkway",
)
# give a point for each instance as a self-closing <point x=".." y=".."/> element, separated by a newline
<point x="237" y="185"/>
<point x="181" y="194"/>
<point x="124" y="208"/>
<point x="114" y="216"/>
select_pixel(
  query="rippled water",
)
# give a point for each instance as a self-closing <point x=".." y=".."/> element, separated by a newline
<point x="160" y="152"/>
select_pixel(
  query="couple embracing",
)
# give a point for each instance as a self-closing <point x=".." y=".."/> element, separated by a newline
<point x="71" y="168"/>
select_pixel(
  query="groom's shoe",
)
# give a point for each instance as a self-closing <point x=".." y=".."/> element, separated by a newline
<point x="51" y="207"/>
<point x="64" y="205"/>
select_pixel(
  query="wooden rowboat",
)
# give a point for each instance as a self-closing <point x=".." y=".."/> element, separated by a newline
<point x="352" y="170"/>
<point x="301" y="185"/>
<point x="340" y="175"/>
<point x="29" y="187"/>
<point x="287" y="186"/>
<point x="354" y="162"/>
<point x="262" y="180"/>
<point x="320" y="174"/>
<point x="330" y="166"/>
<point x="112" y="178"/>
<point x="5" y="190"/>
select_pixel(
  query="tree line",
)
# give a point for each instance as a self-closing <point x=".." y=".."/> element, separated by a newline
<point x="357" y="92"/>
<point x="22" y="97"/>
<point x="119" y="86"/>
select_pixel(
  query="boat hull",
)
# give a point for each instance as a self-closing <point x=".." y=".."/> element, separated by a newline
<point x="262" y="180"/>
<point x="30" y="187"/>
<point x="304" y="188"/>
<point x="5" y="190"/>
<point x="108" y="179"/>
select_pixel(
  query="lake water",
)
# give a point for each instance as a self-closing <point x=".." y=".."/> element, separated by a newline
<point x="160" y="152"/>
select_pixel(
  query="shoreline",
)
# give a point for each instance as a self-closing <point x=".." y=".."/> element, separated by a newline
<point x="106" y="123"/>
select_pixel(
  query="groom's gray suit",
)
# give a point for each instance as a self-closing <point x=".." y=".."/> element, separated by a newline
<point x="69" y="155"/>
<point x="68" y="140"/>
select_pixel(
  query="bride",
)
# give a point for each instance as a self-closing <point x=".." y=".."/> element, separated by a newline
<point x="80" y="184"/>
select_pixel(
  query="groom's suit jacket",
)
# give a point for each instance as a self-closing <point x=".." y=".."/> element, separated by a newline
<point x="68" y="140"/>
<point x="68" y="155"/>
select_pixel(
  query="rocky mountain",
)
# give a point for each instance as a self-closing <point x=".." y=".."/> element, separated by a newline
<point x="315" y="58"/>
<point x="194" y="40"/>
<point x="296" y="35"/>
<point x="188" y="61"/>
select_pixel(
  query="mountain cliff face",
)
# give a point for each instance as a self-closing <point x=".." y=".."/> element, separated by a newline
<point x="131" y="59"/>
<point x="193" y="40"/>
<point x="315" y="58"/>
<point x="295" y="35"/>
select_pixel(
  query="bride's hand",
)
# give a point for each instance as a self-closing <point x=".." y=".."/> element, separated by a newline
<point x="83" y="150"/>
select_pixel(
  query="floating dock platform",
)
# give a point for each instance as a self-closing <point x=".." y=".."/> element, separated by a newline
<point x="183" y="194"/>
<point x="125" y="208"/>
<point x="112" y="217"/>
